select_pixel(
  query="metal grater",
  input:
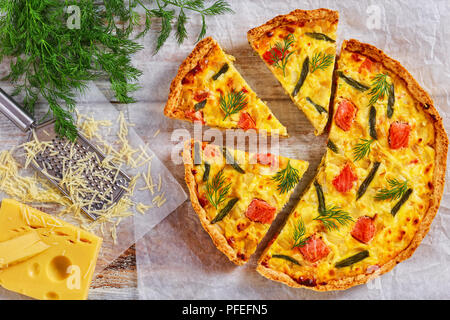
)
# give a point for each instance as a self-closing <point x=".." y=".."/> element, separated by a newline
<point x="108" y="183"/>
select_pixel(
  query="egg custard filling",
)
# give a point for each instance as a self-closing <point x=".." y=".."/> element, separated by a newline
<point x="209" y="89"/>
<point x="379" y="184"/>
<point x="237" y="195"/>
<point x="300" y="48"/>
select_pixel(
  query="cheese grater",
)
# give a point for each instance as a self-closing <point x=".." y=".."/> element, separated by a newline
<point x="103" y="184"/>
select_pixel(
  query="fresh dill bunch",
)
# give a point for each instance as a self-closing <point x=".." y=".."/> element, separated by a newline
<point x="380" y="88"/>
<point x="362" y="149"/>
<point x="299" y="234"/>
<point x="216" y="190"/>
<point x="287" y="178"/>
<point x="279" y="55"/>
<point x="52" y="61"/>
<point x="232" y="103"/>
<point x="321" y="61"/>
<point x="332" y="216"/>
<point x="396" y="191"/>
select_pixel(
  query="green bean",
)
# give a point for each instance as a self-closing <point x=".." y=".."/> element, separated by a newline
<point x="288" y="258"/>
<point x="391" y="101"/>
<point x="352" y="260"/>
<point x="319" y="36"/>
<point x="303" y="75"/>
<point x="222" y="70"/>
<point x="363" y="188"/>
<point x="320" y="197"/>
<point x="206" y="173"/>
<point x="231" y="161"/>
<point x="373" y="122"/>
<point x="399" y="204"/>
<point x="200" y="105"/>
<point x="332" y="146"/>
<point x="352" y="82"/>
<point x="222" y="214"/>
<point x="318" y="107"/>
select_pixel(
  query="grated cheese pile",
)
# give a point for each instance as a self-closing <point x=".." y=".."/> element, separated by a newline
<point x="35" y="189"/>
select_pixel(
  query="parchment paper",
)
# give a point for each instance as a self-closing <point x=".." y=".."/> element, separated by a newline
<point x="93" y="103"/>
<point x="177" y="259"/>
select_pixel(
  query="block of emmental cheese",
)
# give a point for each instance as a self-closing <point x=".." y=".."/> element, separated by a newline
<point x="44" y="257"/>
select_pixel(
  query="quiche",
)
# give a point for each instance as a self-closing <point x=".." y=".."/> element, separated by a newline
<point x="300" y="48"/>
<point x="378" y="187"/>
<point x="209" y="89"/>
<point x="237" y="195"/>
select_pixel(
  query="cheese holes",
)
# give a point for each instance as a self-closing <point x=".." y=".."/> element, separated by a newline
<point x="34" y="270"/>
<point x="57" y="268"/>
<point x="52" y="296"/>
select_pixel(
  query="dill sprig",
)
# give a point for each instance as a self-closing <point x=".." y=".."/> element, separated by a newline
<point x="332" y="216"/>
<point x="380" y="88"/>
<point x="279" y="54"/>
<point x="396" y="191"/>
<point x="287" y="178"/>
<point x="216" y="191"/>
<point x="362" y="149"/>
<point x="165" y="11"/>
<point x="299" y="235"/>
<point x="232" y="103"/>
<point x="321" y="61"/>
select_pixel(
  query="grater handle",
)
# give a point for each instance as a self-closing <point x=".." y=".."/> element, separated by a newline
<point x="12" y="110"/>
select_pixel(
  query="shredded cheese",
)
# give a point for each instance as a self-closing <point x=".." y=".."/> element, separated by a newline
<point x="34" y="189"/>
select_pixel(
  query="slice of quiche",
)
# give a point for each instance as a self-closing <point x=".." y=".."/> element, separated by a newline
<point x="299" y="48"/>
<point x="378" y="187"/>
<point x="209" y="89"/>
<point x="237" y="195"/>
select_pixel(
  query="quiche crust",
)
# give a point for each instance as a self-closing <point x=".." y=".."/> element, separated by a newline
<point x="200" y="51"/>
<point x="441" y="148"/>
<point x="297" y="15"/>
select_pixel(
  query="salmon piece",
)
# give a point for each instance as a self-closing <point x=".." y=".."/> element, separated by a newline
<point x="356" y="57"/>
<point x="399" y="135"/>
<point x="367" y="64"/>
<point x="267" y="159"/>
<point x="345" y="115"/>
<point x="314" y="249"/>
<point x="203" y="201"/>
<point x="246" y="122"/>
<point x="189" y="78"/>
<point x="343" y="182"/>
<point x="211" y="151"/>
<point x="268" y="57"/>
<point x="364" y="230"/>
<point x="194" y="115"/>
<point x="260" y="211"/>
<point x="200" y="96"/>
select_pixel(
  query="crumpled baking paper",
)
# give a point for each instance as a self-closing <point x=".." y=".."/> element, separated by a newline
<point x="177" y="259"/>
<point x="93" y="103"/>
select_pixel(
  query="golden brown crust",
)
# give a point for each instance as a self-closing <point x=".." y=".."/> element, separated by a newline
<point x="200" y="51"/>
<point x="441" y="148"/>
<point x="218" y="238"/>
<point x="298" y="15"/>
